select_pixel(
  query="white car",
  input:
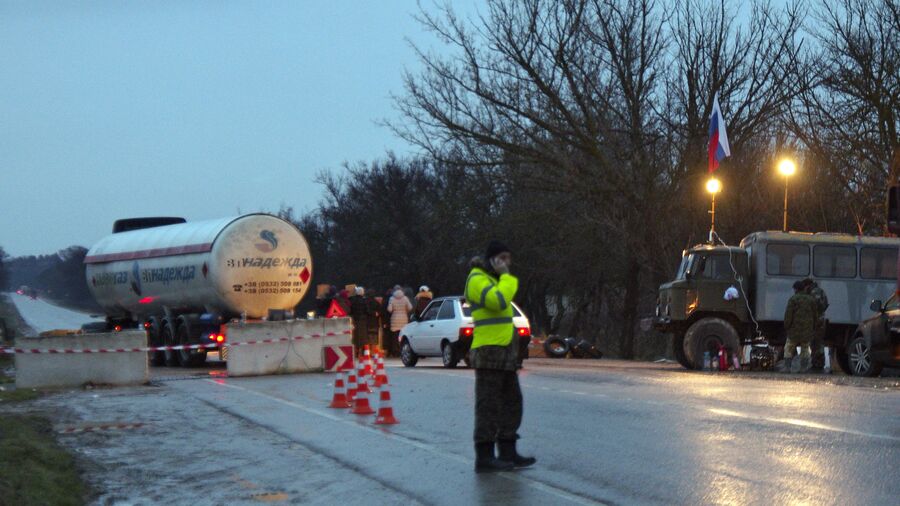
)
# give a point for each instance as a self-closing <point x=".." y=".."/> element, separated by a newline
<point x="445" y="330"/>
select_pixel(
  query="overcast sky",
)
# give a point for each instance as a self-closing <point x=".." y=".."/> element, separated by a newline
<point x="199" y="109"/>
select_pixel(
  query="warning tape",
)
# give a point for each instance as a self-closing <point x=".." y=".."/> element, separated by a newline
<point x="96" y="428"/>
<point x="144" y="349"/>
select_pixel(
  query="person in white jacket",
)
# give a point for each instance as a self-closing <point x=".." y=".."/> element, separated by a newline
<point x="399" y="307"/>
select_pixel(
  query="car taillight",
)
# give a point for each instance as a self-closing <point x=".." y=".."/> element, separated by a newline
<point x="524" y="331"/>
<point x="466" y="331"/>
<point x="117" y="328"/>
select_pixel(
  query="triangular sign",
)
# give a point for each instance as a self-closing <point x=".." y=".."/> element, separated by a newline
<point x="335" y="311"/>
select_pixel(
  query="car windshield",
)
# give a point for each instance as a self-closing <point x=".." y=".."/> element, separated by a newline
<point x="467" y="310"/>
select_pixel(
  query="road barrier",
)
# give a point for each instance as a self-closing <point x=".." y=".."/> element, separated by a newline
<point x="275" y="351"/>
<point x="71" y="361"/>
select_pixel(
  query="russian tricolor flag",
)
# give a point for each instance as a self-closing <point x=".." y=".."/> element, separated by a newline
<point x="718" y="138"/>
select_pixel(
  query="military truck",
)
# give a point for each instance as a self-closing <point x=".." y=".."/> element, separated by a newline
<point x="852" y="270"/>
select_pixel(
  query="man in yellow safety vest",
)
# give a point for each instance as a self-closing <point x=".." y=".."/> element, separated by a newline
<point x="490" y="289"/>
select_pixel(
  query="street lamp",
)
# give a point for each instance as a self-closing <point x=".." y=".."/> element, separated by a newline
<point x="713" y="186"/>
<point x="787" y="168"/>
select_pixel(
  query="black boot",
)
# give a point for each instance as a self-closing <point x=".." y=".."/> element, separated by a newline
<point x="485" y="461"/>
<point x="508" y="453"/>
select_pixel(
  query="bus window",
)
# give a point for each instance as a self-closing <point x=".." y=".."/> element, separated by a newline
<point x="787" y="260"/>
<point x="834" y="261"/>
<point x="878" y="263"/>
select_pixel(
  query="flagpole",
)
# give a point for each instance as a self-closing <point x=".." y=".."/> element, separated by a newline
<point x="713" y="186"/>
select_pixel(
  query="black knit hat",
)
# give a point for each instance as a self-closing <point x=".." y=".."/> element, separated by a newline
<point x="495" y="248"/>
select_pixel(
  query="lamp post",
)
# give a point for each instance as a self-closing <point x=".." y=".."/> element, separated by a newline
<point x="713" y="186"/>
<point x="787" y="168"/>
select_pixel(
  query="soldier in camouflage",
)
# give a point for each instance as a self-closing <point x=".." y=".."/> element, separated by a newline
<point x="817" y="345"/>
<point x="800" y="319"/>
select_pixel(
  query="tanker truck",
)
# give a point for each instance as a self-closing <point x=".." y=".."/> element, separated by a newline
<point x="185" y="281"/>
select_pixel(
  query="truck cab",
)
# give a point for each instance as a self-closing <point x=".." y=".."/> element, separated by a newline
<point x="707" y="274"/>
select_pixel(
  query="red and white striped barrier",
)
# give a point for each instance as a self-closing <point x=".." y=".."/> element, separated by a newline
<point x="13" y="351"/>
<point x="97" y="428"/>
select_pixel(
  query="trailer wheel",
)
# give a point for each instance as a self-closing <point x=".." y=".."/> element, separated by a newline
<point x="678" y="350"/>
<point x="708" y="334"/>
<point x="154" y="338"/>
<point x="168" y="339"/>
<point x="188" y="357"/>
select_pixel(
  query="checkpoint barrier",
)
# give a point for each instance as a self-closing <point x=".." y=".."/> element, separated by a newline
<point x="81" y="359"/>
<point x="276" y="351"/>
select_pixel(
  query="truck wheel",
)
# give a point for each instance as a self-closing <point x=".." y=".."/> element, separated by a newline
<point x="448" y="355"/>
<point x="708" y="334"/>
<point x="407" y="355"/>
<point x="168" y="339"/>
<point x="556" y="347"/>
<point x="678" y="350"/>
<point x="861" y="362"/>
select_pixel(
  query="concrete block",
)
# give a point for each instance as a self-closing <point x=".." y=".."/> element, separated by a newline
<point x="301" y="355"/>
<point x="44" y="370"/>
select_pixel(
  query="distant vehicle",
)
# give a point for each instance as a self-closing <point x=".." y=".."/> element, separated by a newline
<point x="876" y="342"/>
<point x="852" y="270"/>
<point x="445" y="330"/>
<point x="27" y="291"/>
<point x="184" y="282"/>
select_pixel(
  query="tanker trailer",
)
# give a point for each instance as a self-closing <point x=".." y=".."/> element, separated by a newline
<point x="185" y="281"/>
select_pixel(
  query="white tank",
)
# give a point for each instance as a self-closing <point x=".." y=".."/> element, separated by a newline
<point x="249" y="263"/>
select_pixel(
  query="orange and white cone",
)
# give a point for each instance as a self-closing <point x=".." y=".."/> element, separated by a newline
<point x="339" y="400"/>
<point x="353" y="387"/>
<point x="361" y="404"/>
<point x="367" y="357"/>
<point x="381" y="378"/>
<point x="362" y="379"/>
<point x="385" y="414"/>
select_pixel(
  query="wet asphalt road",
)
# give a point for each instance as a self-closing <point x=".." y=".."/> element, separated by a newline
<point x="604" y="432"/>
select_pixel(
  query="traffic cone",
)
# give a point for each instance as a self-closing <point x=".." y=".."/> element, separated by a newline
<point x="339" y="400"/>
<point x="353" y="388"/>
<point x="362" y="380"/>
<point x="361" y="405"/>
<point x="381" y="378"/>
<point x="385" y="414"/>
<point x="367" y="357"/>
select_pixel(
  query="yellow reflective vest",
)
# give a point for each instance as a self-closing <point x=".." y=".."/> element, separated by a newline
<point x="491" y="301"/>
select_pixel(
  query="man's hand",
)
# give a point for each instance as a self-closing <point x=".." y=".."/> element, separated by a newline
<point x="499" y="265"/>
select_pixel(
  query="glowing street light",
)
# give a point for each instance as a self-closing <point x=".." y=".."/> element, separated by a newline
<point x="787" y="168"/>
<point x="713" y="186"/>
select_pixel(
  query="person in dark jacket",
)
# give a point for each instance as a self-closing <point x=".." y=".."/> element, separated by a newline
<point x="375" y="315"/>
<point x="359" y="315"/>
<point x="422" y="299"/>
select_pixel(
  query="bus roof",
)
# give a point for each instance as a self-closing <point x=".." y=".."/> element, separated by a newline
<point x="817" y="238"/>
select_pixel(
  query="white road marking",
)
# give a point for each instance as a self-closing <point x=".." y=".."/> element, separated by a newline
<point x="561" y="494"/>
<point x="800" y="423"/>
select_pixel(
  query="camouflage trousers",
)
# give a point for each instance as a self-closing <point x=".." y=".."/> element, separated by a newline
<point x="817" y="347"/>
<point x="790" y="347"/>
<point x="498" y="405"/>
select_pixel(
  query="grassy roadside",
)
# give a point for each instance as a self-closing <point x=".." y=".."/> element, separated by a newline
<point x="34" y="469"/>
<point x="15" y="325"/>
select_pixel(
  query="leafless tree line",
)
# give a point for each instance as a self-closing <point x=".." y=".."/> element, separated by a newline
<point x="577" y="130"/>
